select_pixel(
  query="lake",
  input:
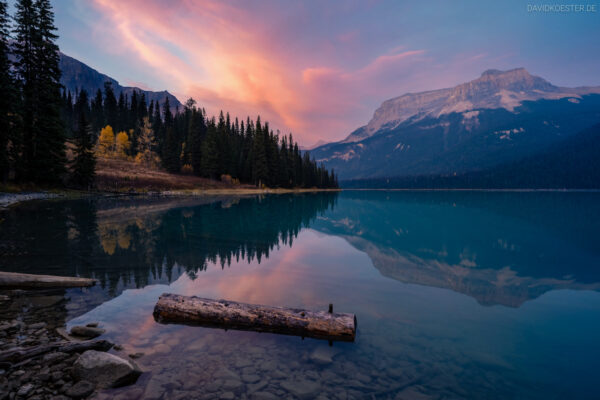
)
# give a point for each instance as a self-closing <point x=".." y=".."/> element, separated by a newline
<point x="457" y="294"/>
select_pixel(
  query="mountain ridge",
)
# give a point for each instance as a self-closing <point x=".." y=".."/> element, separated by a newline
<point x="499" y="117"/>
<point x="493" y="89"/>
<point x="77" y="75"/>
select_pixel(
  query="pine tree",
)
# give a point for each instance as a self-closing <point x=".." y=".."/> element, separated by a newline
<point x="84" y="161"/>
<point x="97" y="111"/>
<point x="171" y="152"/>
<point x="210" y="152"/>
<point x="50" y="158"/>
<point x="260" y="169"/>
<point x="7" y="98"/>
<point x="197" y="134"/>
<point x="111" y="113"/>
<point x="25" y="67"/>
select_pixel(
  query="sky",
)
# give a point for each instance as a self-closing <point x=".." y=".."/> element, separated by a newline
<point x="319" y="69"/>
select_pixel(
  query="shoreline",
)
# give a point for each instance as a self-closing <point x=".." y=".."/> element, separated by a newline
<point x="8" y="199"/>
<point x="469" y="190"/>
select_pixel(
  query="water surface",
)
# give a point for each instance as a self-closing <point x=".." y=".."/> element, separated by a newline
<point x="457" y="294"/>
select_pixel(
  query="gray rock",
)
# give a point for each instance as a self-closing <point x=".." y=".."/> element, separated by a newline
<point x="227" y="396"/>
<point x="250" y="378"/>
<point x="80" y="390"/>
<point x="242" y="362"/>
<point x="232" y="384"/>
<point x="92" y="325"/>
<point x="263" y="396"/>
<point x="154" y="390"/>
<point x="362" y="377"/>
<point x="323" y="355"/>
<point x="312" y="375"/>
<point x="105" y="370"/>
<point x="86" y="331"/>
<point x="24" y="390"/>
<point x="52" y="358"/>
<point x="257" y="386"/>
<point x="277" y="374"/>
<point x="225" y="374"/>
<point x="303" y="389"/>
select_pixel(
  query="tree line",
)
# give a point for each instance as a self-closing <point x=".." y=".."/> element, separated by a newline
<point x="189" y="141"/>
<point x="37" y="117"/>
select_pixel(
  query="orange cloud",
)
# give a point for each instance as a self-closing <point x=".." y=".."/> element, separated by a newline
<point x="225" y="58"/>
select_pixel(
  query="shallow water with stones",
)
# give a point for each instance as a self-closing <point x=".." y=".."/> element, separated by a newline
<point x="457" y="294"/>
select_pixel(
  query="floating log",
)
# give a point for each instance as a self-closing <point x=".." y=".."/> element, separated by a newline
<point x="19" y="353"/>
<point x="14" y="280"/>
<point x="173" y="308"/>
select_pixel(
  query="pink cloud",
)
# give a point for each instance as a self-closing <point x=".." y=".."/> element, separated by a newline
<point x="235" y="59"/>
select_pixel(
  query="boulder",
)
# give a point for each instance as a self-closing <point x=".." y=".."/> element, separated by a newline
<point x="105" y="370"/>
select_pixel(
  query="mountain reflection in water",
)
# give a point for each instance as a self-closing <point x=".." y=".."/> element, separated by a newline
<point x="500" y="248"/>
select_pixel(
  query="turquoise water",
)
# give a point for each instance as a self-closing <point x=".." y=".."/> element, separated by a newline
<point x="457" y="294"/>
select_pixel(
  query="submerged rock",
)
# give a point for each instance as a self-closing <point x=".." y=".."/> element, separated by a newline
<point x="105" y="370"/>
<point x="80" y="390"/>
<point x="323" y="355"/>
<point x="86" y="331"/>
<point x="303" y="389"/>
<point x="263" y="396"/>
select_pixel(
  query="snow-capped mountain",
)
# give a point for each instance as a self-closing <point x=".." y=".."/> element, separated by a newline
<point x="499" y="116"/>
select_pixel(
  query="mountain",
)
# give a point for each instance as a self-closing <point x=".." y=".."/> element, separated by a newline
<point x="77" y="75"/>
<point x="571" y="163"/>
<point x="499" y="117"/>
<point x="313" y="146"/>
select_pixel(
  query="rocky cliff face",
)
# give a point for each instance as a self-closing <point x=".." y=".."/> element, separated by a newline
<point x="493" y="89"/>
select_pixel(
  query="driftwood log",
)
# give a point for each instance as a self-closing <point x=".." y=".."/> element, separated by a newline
<point x="14" y="280"/>
<point x="19" y="353"/>
<point x="173" y="308"/>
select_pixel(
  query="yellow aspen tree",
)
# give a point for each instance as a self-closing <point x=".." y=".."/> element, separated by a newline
<point x="106" y="141"/>
<point x="146" y="142"/>
<point x="123" y="144"/>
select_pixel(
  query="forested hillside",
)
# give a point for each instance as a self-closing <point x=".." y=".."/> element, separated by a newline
<point x="572" y="163"/>
<point x="38" y="115"/>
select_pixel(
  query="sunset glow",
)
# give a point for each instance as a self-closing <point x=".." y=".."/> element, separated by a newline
<point x="316" y="70"/>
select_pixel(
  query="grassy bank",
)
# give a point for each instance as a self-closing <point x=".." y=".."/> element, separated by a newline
<point x="127" y="177"/>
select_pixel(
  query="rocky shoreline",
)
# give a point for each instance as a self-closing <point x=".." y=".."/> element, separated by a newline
<point x="7" y="199"/>
<point x="37" y="363"/>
